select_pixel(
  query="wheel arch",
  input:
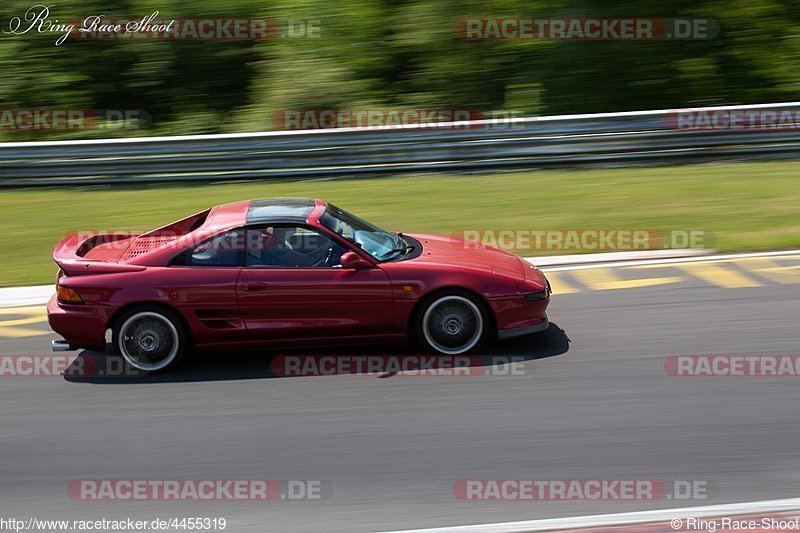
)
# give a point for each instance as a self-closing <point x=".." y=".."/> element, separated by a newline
<point x="184" y="323"/>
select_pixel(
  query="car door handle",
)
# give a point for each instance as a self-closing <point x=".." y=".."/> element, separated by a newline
<point x="253" y="286"/>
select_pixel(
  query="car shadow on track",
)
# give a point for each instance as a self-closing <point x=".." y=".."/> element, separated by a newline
<point x="499" y="358"/>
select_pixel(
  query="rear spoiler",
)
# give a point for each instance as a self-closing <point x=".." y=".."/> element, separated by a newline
<point x="66" y="255"/>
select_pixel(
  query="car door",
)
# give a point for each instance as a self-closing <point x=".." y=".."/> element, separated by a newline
<point x="293" y="287"/>
<point x="202" y="282"/>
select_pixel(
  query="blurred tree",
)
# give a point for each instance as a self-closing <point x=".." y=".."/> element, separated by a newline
<point x="366" y="54"/>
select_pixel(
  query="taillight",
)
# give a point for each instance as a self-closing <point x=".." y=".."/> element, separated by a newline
<point x="67" y="295"/>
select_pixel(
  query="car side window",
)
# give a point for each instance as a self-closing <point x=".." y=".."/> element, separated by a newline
<point x="222" y="250"/>
<point x="290" y="247"/>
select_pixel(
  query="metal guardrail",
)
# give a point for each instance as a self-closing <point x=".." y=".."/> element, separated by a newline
<point x="607" y="139"/>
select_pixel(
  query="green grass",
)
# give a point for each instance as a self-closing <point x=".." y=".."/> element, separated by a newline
<point x="747" y="206"/>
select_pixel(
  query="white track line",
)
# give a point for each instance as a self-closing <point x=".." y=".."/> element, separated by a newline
<point x="621" y="519"/>
<point x="726" y="257"/>
<point x="23" y="296"/>
<point x="616" y="257"/>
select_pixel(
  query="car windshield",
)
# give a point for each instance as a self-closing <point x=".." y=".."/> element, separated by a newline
<point x="381" y="244"/>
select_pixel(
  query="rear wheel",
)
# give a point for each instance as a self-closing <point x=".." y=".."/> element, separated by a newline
<point x="451" y="323"/>
<point x="150" y="339"/>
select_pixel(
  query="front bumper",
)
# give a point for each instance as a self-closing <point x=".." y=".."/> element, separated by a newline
<point x="523" y="330"/>
<point x="521" y="314"/>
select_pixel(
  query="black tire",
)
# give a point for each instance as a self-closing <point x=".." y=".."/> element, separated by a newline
<point x="150" y="338"/>
<point x="451" y="322"/>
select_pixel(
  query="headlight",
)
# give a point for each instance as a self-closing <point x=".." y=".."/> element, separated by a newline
<point x="536" y="296"/>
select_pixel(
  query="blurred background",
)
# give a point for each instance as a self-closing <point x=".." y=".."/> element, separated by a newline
<point x="393" y="54"/>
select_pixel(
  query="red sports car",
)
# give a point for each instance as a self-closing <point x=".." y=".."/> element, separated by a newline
<point x="285" y="271"/>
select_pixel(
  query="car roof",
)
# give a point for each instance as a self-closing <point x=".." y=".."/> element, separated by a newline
<point x="273" y="210"/>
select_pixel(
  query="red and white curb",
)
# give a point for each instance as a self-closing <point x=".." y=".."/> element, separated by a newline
<point x="656" y="520"/>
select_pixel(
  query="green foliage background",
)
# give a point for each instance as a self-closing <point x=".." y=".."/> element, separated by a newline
<point x="393" y="54"/>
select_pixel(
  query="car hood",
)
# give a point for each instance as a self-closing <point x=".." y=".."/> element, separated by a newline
<point x="451" y="251"/>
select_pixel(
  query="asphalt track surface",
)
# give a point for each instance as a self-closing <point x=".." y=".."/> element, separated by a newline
<point x="597" y="406"/>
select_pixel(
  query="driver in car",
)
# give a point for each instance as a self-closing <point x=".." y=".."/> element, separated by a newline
<point x="285" y="247"/>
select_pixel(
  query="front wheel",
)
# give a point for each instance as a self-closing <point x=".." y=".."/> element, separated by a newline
<point x="451" y="323"/>
<point x="150" y="339"/>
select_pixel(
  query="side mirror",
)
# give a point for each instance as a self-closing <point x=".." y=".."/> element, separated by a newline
<point x="353" y="261"/>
